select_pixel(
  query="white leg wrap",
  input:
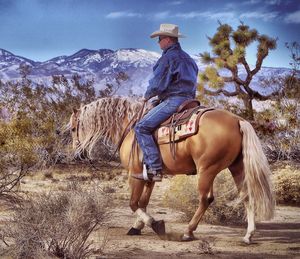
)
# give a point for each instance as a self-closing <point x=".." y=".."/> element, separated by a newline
<point x="138" y="224"/>
<point x="144" y="217"/>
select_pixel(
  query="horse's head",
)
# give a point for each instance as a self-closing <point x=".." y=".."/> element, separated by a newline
<point x="74" y="125"/>
<point x="102" y="120"/>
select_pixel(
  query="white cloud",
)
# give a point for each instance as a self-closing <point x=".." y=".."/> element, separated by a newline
<point x="176" y="2"/>
<point x="123" y="14"/>
<point x="206" y="15"/>
<point x="251" y="2"/>
<point x="267" y="16"/>
<point x="261" y="3"/>
<point x="273" y="2"/>
<point x="293" y="17"/>
<point x="161" y="15"/>
<point x="189" y="15"/>
<point x="220" y="15"/>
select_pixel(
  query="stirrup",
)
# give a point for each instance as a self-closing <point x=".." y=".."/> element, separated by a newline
<point x="152" y="175"/>
<point x="156" y="177"/>
<point x="143" y="176"/>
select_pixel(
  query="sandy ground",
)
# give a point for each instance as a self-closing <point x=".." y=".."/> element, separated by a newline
<point x="279" y="238"/>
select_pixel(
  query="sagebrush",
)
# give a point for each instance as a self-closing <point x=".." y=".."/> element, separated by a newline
<point x="287" y="186"/>
<point x="56" y="224"/>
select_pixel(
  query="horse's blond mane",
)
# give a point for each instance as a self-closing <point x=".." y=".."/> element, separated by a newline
<point x="104" y="120"/>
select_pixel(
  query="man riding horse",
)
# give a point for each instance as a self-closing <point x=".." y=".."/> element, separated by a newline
<point x="173" y="82"/>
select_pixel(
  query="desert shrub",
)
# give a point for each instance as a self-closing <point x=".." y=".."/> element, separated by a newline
<point x="56" y="224"/>
<point x="279" y="131"/>
<point x="182" y="194"/>
<point x="283" y="143"/>
<point x="287" y="186"/>
<point x="17" y="146"/>
<point x="45" y="109"/>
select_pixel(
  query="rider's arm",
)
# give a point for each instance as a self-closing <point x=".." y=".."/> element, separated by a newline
<point x="161" y="79"/>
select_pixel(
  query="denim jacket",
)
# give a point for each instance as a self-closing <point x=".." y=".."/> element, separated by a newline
<point x="174" y="74"/>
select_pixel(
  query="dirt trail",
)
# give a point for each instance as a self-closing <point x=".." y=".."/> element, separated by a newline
<point x="279" y="238"/>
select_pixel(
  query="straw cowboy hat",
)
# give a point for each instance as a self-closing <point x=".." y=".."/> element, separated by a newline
<point x="166" y="29"/>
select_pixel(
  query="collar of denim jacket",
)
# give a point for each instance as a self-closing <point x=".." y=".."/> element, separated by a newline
<point x="173" y="46"/>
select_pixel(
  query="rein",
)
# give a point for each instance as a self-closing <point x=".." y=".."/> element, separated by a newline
<point x="77" y="133"/>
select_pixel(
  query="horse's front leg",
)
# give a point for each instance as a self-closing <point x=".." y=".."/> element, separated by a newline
<point x="142" y="204"/>
<point x="140" y="196"/>
<point x="137" y="188"/>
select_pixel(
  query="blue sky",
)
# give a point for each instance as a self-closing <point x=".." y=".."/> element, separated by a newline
<point x="43" y="29"/>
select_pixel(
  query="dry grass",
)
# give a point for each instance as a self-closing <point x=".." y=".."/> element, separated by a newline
<point x="287" y="185"/>
<point x="56" y="224"/>
<point x="182" y="194"/>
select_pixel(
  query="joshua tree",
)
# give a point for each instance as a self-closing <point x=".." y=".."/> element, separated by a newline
<point x="229" y="52"/>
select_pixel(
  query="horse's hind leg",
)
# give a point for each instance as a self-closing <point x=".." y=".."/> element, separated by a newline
<point x="237" y="171"/>
<point x="251" y="224"/>
<point x="205" y="187"/>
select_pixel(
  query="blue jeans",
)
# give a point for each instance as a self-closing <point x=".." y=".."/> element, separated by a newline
<point x="145" y="128"/>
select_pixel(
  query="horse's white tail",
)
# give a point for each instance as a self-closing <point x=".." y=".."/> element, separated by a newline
<point x="257" y="188"/>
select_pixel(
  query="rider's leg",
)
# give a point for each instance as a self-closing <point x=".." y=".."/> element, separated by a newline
<point x="148" y="124"/>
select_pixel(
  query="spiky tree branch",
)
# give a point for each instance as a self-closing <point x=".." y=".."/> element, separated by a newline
<point x="228" y="52"/>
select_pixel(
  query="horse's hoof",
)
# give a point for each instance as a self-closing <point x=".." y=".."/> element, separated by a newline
<point x="247" y="240"/>
<point x="134" y="232"/>
<point x="159" y="227"/>
<point x="187" y="238"/>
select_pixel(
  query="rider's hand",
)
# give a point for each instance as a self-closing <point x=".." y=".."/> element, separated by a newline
<point x="144" y="99"/>
<point x="155" y="102"/>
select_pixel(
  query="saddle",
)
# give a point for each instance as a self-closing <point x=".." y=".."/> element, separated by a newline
<point x="182" y="124"/>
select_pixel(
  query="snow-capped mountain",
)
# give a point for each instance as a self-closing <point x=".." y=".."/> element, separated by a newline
<point x="9" y="64"/>
<point x="103" y="65"/>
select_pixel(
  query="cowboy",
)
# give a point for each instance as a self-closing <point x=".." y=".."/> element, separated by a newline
<point x="173" y="82"/>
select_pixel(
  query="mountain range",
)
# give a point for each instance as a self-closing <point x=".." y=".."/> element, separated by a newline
<point x="103" y="66"/>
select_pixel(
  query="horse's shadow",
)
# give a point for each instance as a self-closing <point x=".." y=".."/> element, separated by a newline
<point x="279" y="232"/>
<point x="172" y="236"/>
<point x="273" y="232"/>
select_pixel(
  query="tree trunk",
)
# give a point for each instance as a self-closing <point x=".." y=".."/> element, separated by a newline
<point x="248" y="107"/>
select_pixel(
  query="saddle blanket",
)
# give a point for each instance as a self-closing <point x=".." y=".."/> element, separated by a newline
<point x="180" y="129"/>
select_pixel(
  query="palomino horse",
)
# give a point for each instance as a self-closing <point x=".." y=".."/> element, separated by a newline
<point x="224" y="140"/>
